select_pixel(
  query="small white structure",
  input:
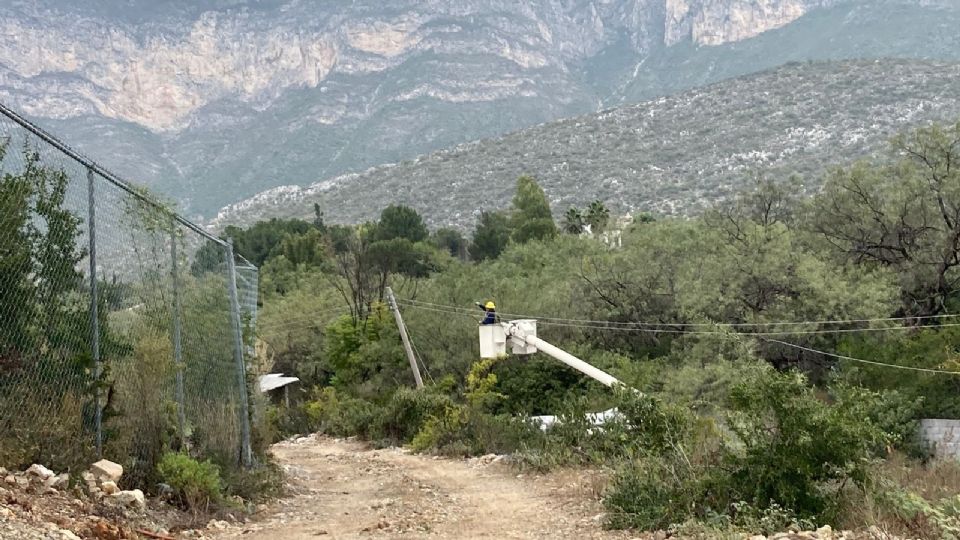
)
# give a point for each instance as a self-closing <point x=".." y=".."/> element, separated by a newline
<point x="273" y="381"/>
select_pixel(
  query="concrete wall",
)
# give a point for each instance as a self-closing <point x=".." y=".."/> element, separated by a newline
<point x="943" y="437"/>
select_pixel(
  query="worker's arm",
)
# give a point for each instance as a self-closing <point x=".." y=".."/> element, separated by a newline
<point x="479" y="305"/>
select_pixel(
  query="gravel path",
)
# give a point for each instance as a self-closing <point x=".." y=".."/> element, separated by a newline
<point x="344" y="490"/>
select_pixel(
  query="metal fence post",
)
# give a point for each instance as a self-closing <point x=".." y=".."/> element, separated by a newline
<point x="246" y="450"/>
<point x="94" y="311"/>
<point x="177" y="340"/>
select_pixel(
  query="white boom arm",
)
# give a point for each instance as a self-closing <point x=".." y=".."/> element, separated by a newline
<point x="568" y="359"/>
<point x="521" y="337"/>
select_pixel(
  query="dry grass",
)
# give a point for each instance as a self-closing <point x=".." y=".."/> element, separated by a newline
<point x="932" y="481"/>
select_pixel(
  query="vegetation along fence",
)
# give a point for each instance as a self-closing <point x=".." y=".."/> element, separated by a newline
<point x="123" y="325"/>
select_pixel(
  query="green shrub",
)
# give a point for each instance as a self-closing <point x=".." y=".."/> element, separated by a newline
<point x="466" y="431"/>
<point x="330" y="413"/>
<point x="643" y="426"/>
<point x="405" y="414"/>
<point x="196" y="483"/>
<point x="791" y="457"/>
<point x="262" y="482"/>
<point x="796" y="448"/>
<point x="649" y="495"/>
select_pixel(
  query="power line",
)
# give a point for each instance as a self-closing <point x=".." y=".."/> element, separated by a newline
<point x="668" y="328"/>
<point x="617" y="327"/>
<point x="862" y="361"/>
<point x="702" y="325"/>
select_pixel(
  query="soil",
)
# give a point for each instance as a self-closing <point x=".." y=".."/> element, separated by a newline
<point x="345" y="490"/>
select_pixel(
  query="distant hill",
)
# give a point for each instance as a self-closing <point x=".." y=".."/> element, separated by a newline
<point x="674" y="155"/>
<point x="212" y="101"/>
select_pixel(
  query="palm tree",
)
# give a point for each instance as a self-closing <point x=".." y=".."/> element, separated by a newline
<point x="597" y="216"/>
<point x="573" y="221"/>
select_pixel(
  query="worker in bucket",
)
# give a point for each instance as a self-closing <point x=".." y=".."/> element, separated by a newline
<point x="490" y="312"/>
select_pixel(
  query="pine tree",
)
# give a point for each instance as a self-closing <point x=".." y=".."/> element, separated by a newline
<point x="531" y="218"/>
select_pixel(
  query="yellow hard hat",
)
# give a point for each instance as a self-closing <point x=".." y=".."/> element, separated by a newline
<point x="491" y="305"/>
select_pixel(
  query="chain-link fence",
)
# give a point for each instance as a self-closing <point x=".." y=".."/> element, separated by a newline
<point x="122" y="324"/>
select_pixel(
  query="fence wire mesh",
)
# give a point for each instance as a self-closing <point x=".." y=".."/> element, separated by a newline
<point x="123" y="326"/>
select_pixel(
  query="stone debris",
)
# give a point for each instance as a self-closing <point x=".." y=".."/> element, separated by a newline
<point x="107" y="470"/>
<point x="38" y="504"/>
<point x="131" y="499"/>
<point x="40" y="472"/>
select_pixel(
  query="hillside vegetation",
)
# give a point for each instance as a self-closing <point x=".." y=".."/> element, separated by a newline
<point x="673" y="156"/>
<point x="785" y="347"/>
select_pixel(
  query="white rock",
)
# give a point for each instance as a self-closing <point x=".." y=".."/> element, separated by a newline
<point x="218" y="525"/>
<point x="109" y="487"/>
<point x="3" y="471"/>
<point x="41" y="472"/>
<point x="61" y="481"/>
<point x="68" y="535"/>
<point x="825" y="533"/>
<point x="132" y="499"/>
<point x="107" y="470"/>
<point x="10" y="479"/>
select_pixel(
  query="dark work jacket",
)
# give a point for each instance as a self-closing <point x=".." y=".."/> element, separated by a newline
<point x="490" y="316"/>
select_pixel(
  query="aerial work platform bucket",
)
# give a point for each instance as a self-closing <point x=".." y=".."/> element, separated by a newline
<point x="494" y="338"/>
<point x="493" y="341"/>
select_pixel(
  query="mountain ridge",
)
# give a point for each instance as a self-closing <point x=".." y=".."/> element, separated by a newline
<point x="471" y="71"/>
<point x="674" y="155"/>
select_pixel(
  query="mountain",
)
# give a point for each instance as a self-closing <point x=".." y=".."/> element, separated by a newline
<point x="674" y="155"/>
<point x="212" y="101"/>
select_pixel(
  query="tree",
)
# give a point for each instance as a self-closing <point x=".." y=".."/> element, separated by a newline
<point x="573" y="221"/>
<point x="363" y="264"/>
<point x="318" y="221"/>
<point x="531" y="218"/>
<point x="57" y="257"/>
<point x="451" y="241"/>
<point x="904" y="216"/>
<point x="598" y="217"/>
<point x="309" y="248"/>
<point x="18" y="306"/>
<point x="491" y="236"/>
<point x="398" y="221"/>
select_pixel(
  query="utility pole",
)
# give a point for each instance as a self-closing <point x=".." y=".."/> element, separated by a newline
<point x="403" y="336"/>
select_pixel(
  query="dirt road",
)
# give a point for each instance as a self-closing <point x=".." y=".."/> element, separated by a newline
<point x="344" y="490"/>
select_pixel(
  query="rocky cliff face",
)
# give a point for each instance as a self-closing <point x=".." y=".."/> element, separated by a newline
<point x="192" y="96"/>
<point x="157" y="74"/>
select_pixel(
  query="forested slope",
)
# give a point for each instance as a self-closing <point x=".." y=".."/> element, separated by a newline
<point x="673" y="156"/>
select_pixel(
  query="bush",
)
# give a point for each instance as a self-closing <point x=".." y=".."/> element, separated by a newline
<point x="332" y="414"/>
<point x="196" y="483"/>
<point x="796" y="449"/>
<point x="647" y="494"/>
<point x="792" y="457"/>
<point x="641" y="426"/>
<point x="262" y="482"/>
<point x="406" y="413"/>
<point x="466" y="431"/>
